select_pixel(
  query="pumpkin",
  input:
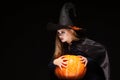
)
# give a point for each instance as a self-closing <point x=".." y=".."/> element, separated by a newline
<point x="75" y="69"/>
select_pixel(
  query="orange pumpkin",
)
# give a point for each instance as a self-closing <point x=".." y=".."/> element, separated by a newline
<point x="75" y="68"/>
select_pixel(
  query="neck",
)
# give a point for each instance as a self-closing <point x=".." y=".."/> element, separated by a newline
<point x="70" y="40"/>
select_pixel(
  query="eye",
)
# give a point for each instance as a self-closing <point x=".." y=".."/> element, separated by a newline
<point x="61" y="32"/>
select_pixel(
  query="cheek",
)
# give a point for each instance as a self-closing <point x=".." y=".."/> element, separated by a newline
<point x="65" y="38"/>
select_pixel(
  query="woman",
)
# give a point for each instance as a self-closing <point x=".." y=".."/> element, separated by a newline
<point x="67" y="41"/>
<point x="71" y="39"/>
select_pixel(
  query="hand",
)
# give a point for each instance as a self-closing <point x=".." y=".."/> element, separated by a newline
<point x="83" y="59"/>
<point x="61" y="62"/>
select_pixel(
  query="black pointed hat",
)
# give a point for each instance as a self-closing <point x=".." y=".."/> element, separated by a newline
<point x="67" y="18"/>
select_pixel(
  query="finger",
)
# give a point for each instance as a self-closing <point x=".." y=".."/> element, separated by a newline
<point x="82" y="59"/>
<point x="60" y="66"/>
<point x="63" y="65"/>
<point x="86" y="63"/>
<point x="62" y="57"/>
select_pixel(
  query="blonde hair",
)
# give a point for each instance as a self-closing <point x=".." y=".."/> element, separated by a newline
<point x="59" y="45"/>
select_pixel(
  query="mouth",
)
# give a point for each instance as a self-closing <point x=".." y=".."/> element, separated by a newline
<point x="61" y="38"/>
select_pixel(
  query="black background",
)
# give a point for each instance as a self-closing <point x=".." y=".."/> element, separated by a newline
<point x="27" y="46"/>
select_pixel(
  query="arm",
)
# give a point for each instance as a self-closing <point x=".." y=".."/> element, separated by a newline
<point x="106" y="66"/>
<point x="99" y="53"/>
<point x="51" y="65"/>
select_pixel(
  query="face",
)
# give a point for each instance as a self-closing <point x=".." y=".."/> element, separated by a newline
<point x="65" y="35"/>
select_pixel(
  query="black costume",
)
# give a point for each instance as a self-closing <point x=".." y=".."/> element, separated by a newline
<point x="95" y="54"/>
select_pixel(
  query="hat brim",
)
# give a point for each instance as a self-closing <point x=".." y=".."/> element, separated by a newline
<point x="53" y="27"/>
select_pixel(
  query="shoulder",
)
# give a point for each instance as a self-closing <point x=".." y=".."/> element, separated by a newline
<point x="91" y="42"/>
<point x="92" y="45"/>
<point x="88" y="44"/>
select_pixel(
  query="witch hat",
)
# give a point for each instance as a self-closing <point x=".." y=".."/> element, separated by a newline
<point x="67" y="18"/>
